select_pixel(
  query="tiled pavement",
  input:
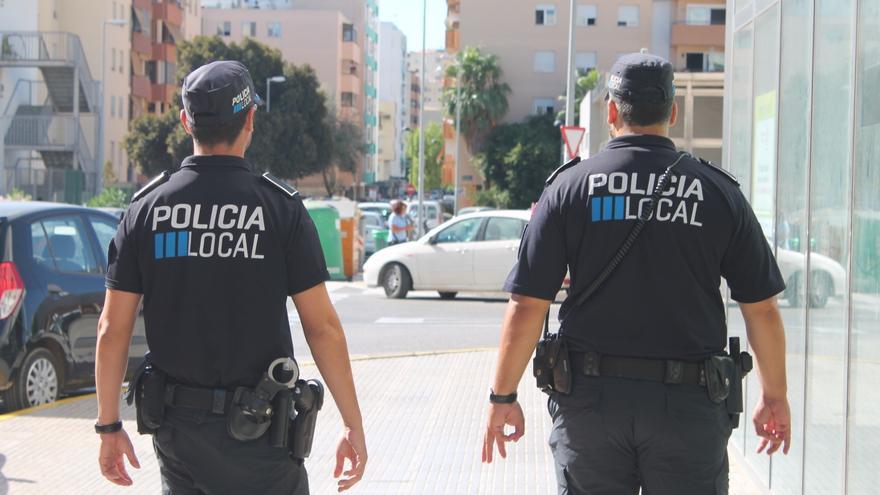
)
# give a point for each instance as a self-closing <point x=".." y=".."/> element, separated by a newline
<point x="423" y="419"/>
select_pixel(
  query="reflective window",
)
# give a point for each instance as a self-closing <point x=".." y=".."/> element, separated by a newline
<point x="68" y="246"/>
<point x="503" y="229"/>
<point x="791" y="220"/>
<point x="826" y="285"/>
<point x="463" y="231"/>
<point x="105" y="230"/>
<point x="741" y="108"/>
<point x="864" y="434"/>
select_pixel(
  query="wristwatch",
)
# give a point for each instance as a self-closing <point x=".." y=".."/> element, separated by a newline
<point x="108" y="428"/>
<point x="501" y="399"/>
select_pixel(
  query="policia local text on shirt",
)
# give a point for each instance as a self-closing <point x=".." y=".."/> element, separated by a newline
<point x="641" y="411"/>
<point x="215" y="250"/>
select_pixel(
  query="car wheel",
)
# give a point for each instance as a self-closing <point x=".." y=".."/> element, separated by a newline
<point x="820" y="289"/>
<point x="447" y="295"/>
<point x="38" y="381"/>
<point x="396" y="281"/>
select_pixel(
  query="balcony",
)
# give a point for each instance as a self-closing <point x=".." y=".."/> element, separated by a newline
<point x="349" y="83"/>
<point x="168" y="11"/>
<point x="452" y="40"/>
<point x="141" y="87"/>
<point x="351" y="51"/>
<point x="141" y="43"/>
<point x="697" y="34"/>
<point x="165" y="51"/>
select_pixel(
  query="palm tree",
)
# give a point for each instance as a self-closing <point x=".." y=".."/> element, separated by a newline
<point x="483" y="95"/>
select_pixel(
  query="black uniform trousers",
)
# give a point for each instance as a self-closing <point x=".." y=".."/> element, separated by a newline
<point x="198" y="457"/>
<point x="612" y="436"/>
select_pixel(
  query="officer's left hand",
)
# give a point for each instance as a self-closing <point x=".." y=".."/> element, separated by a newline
<point x="499" y="416"/>
<point x="352" y="446"/>
<point x="113" y="447"/>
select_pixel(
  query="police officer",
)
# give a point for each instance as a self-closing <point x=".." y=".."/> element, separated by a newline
<point x="215" y="249"/>
<point x="639" y="414"/>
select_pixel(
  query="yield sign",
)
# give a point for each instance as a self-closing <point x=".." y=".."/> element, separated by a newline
<point x="572" y="135"/>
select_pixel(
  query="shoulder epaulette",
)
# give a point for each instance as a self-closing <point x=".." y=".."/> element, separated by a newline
<point x="153" y="184"/>
<point x="280" y="184"/>
<point x="565" y="166"/>
<point x="722" y="171"/>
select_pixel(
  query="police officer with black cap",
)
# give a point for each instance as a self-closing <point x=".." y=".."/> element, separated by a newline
<point x="643" y="394"/>
<point x="215" y="249"/>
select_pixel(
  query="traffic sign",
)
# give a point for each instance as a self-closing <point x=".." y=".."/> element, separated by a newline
<point x="572" y="135"/>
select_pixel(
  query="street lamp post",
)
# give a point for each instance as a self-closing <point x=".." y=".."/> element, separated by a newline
<point x="269" y="81"/>
<point x="111" y="22"/>
<point x="457" y="137"/>
<point x="421" y="211"/>
<point x="570" y="79"/>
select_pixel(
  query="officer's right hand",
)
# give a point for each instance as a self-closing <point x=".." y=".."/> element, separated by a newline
<point x="113" y="447"/>
<point x="499" y="416"/>
<point x="352" y="446"/>
<point x="772" y="420"/>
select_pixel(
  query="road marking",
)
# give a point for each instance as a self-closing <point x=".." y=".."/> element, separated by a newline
<point x="390" y="320"/>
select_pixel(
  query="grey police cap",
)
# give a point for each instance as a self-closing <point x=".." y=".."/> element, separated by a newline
<point x="641" y="78"/>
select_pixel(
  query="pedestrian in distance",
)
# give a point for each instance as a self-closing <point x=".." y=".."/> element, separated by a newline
<point x="642" y="392"/>
<point x="214" y="250"/>
<point x="400" y="225"/>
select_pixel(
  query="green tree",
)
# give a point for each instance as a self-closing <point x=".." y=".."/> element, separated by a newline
<point x="483" y="95"/>
<point x="346" y="150"/>
<point x="433" y="156"/>
<point x="586" y="82"/>
<point x="292" y="141"/>
<point x="111" y="197"/>
<point x="516" y="159"/>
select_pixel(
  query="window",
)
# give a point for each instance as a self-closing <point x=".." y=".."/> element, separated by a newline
<point x="224" y="28"/>
<point x="628" y="15"/>
<point x="504" y="229"/>
<point x="706" y="14"/>
<point x="544" y="106"/>
<point x="347" y="99"/>
<point x="586" y="15"/>
<point x="112" y="59"/>
<point x="274" y="29"/>
<point x="113" y="106"/>
<point x="545" y="15"/>
<point x="463" y="231"/>
<point x="105" y="230"/>
<point x="249" y="29"/>
<point x="545" y="62"/>
<point x="66" y="248"/>
<point x="349" y="34"/>
<point x="584" y="61"/>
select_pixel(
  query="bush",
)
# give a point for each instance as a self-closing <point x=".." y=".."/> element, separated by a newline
<point x="111" y="197"/>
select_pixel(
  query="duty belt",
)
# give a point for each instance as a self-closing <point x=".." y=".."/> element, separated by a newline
<point x="655" y="370"/>
<point x="214" y="400"/>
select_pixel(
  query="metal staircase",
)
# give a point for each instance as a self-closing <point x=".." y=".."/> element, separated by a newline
<point x="53" y="128"/>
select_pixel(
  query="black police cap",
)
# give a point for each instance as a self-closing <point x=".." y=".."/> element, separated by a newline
<point x="641" y="78"/>
<point x="216" y="93"/>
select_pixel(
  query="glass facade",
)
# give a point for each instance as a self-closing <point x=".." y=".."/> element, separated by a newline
<point x="803" y="136"/>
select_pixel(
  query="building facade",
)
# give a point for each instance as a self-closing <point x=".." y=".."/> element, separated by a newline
<point x="393" y="101"/>
<point x="802" y="133"/>
<point x="436" y="63"/>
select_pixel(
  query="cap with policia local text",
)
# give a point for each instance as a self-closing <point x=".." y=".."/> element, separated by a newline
<point x="641" y="77"/>
<point x="216" y="93"/>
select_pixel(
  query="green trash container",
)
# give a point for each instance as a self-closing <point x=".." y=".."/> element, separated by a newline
<point x="380" y="239"/>
<point x="326" y="220"/>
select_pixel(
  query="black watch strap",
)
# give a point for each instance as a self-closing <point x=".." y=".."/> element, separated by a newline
<point x="108" y="428"/>
<point x="501" y="399"/>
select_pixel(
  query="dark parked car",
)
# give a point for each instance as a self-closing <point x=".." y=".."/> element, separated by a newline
<point x="52" y="263"/>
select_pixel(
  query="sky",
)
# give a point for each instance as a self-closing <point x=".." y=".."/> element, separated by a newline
<point x="407" y="16"/>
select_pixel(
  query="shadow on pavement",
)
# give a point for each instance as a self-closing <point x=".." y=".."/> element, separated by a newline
<point x="4" y="481"/>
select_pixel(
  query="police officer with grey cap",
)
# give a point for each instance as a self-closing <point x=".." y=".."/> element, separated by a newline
<point x="214" y="249"/>
<point x="643" y="393"/>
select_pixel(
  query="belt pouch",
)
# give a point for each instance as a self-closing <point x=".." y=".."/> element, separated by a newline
<point x="720" y="372"/>
<point x="280" y="427"/>
<point x="150" y="401"/>
<point x="562" y="370"/>
<point x="546" y="353"/>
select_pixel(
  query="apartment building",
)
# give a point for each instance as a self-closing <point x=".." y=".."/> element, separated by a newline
<point x="436" y="62"/>
<point x="51" y="95"/>
<point x="337" y="38"/>
<point x="393" y="101"/>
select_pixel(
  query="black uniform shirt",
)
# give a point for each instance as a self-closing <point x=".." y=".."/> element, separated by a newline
<point x="216" y="251"/>
<point x="664" y="299"/>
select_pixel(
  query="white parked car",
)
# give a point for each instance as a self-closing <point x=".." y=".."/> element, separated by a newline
<point x="433" y="213"/>
<point x="472" y="252"/>
<point x="827" y="278"/>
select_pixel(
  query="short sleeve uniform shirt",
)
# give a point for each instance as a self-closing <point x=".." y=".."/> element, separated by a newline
<point x="664" y="300"/>
<point x="216" y="251"/>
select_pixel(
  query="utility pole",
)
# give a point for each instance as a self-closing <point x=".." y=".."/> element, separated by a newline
<point x="570" y="81"/>
<point x="421" y="211"/>
<point x="457" y="136"/>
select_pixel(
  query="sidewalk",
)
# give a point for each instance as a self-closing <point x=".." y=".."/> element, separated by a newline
<point x="423" y="414"/>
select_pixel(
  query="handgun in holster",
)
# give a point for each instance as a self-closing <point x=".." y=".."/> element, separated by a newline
<point x="308" y="399"/>
<point x="147" y="390"/>
<point x="724" y="376"/>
